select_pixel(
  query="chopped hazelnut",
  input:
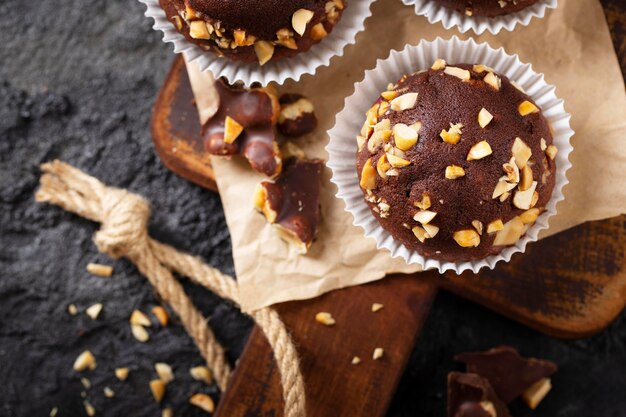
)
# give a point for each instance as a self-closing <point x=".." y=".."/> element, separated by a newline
<point x="453" y="172"/>
<point x="396" y="161"/>
<point x="523" y="199"/>
<point x="389" y="95"/>
<point x="420" y="233"/>
<point x="484" y="117"/>
<point x="382" y="166"/>
<point x="368" y="176"/>
<point x="493" y="80"/>
<point x="139" y="333"/>
<point x="203" y="401"/>
<point x="453" y="134"/>
<point x="300" y="19"/>
<point x="526" y="107"/>
<point x="404" y="136"/>
<point x="199" y="30"/>
<point x="424" y="204"/>
<point x="544" y="146"/>
<point x="478" y="225"/>
<point x="438" y="64"/>
<point x="85" y="360"/>
<point x="139" y="318"/>
<point x="529" y="216"/>
<point x="377" y="307"/>
<point x="164" y="371"/>
<point x="511" y="170"/>
<point x="479" y="68"/>
<point x="431" y="230"/>
<point x="460" y="73"/>
<point x="521" y="151"/>
<point x="100" y="270"/>
<point x="551" y="151"/>
<point x="94" y="311"/>
<point x="467" y="238"/>
<point x="325" y="318"/>
<point x="479" y="151"/>
<point x="201" y="373"/>
<point x="158" y="389"/>
<point x="378" y="353"/>
<point x="526" y="178"/>
<point x="232" y="130"/>
<point x="264" y="51"/>
<point x="424" y="216"/>
<point x="534" y="394"/>
<point x="404" y="102"/>
<point x="121" y="373"/>
<point x="161" y="315"/>
<point x="510" y="233"/>
<point x="356" y="360"/>
<point x="318" y="32"/>
<point x="495" y="226"/>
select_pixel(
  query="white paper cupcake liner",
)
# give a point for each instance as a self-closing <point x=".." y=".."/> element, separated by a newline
<point x="343" y="34"/>
<point x="342" y="146"/>
<point x="435" y="12"/>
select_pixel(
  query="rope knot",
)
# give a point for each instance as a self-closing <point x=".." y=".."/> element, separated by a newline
<point x="124" y="224"/>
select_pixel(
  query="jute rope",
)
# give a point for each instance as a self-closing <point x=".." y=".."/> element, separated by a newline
<point x="123" y="233"/>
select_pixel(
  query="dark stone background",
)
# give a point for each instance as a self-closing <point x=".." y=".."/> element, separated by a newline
<point x="78" y="86"/>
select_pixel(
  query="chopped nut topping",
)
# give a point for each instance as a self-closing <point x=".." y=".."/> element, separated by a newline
<point x="479" y="151"/>
<point x="529" y="216"/>
<point x="378" y="353"/>
<point x="527" y="178"/>
<point x="199" y="30"/>
<point x="203" y="401"/>
<point x="404" y="136"/>
<point x="526" y="107"/>
<point x="300" y="19"/>
<point x="493" y="80"/>
<point x="453" y="134"/>
<point x="453" y="172"/>
<point x="264" y="51"/>
<point x="534" y="200"/>
<point x="157" y="387"/>
<point x="382" y="166"/>
<point x="521" y="152"/>
<point x="94" y="311"/>
<point x="551" y="151"/>
<point x="420" y="233"/>
<point x="504" y="196"/>
<point x="368" y="176"/>
<point x="467" y="238"/>
<point x="458" y="72"/>
<point x="511" y="170"/>
<point x="478" y="225"/>
<point x="161" y="314"/>
<point x="534" y="394"/>
<point x="393" y="172"/>
<point x="325" y="318"/>
<point x="378" y="138"/>
<point x="232" y="129"/>
<point x="396" y="161"/>
<point x="495" y="226"/>
<point x="72" y="310"/>
<point x="424" y="204"/>
<point x="139" y="333"/>
<point x="404" y="102"/>
<point x="389" y="95"/>
<point x="201" y="373"/>
<point x="424" y="216"/>
<point x="89" y="409"/>
<point x="108" y="392"/>
<point x="356" y="360"/>
<point x="484" y="117"/>
<point x="431" y="230"/>
<point x="382" y="109"/>
<point x="510" y="233"/>
<point x="100" y="270"/>
<point x="318" y="32"/>
<point x="502" y="187"/>
<point x="164" y="371"/>
<point x="544" y="146"/>
<point x="139" y="318"/>
<point x="85" y="360"/>
<point x="523" y="199"/>
<point x="377" y="307"/>
<point x="121" y="373"/>
<point x="480" y="68"/>
<point x="167" y="412"/>
<point x="438" y="64"/>
<point x="360" y="142"/>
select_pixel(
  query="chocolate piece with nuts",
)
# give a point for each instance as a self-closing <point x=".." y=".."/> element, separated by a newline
<point x="509" y="373"/>
<point x="468" y="142"/>
<point x="297" y="115"/>
<point x="292" y="202"/>
<point x="254" y="31"/>
<point x="244" y="124"/>
<point x="470" y="395"/>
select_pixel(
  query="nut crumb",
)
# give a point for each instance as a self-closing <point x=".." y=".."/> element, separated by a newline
<point x="203" y="401"/>
<point x="100" y="270"/>
<point x="93" y="311"/>
<point x="325" y="318"/>
<point x="378" y="353"/>
<point x="377" y="307"/>
<point x="356" y="360"/>
<point x="164" y="371"/>
<point x="121" y="373"/>
<point x="201" y="373"/>
<point x="157" y="387"/>
<point x="108" y="392"/>
<point x="72" y="309"/>
<point x="85" y="360"/>
<point x="139" y="333"/>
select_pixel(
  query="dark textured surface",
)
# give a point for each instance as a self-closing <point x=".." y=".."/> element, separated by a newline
<point x="444" y="100"/>
<point x="489" y="8"/>
<point x="80" y="89"/>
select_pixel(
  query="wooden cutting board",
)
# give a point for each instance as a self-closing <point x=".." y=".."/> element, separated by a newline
<point x="569" y="285"/>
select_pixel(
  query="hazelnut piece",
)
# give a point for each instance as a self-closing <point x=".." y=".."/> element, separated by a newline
<point x="529" y="216"/>
<point x="431" y="230"/>
<point x="453" y="172"/>
<point x="404" y="136"/>
<point x="438" y="64"/>
<point x="551" y="151"/>
<point x="389" y="95"/>
<point x="264" y="51"/>
<point x="495" y="226"/>
<point x="232" y="130"/>
<point x="404" y="102"/>
<point x="510" y="233"/>
<point x="478" y="225"/>
<point x="368" y="176"/>
<point x="420" y="233"/>
<point x="453" y="134"/>
<point x="526" y="107"/>
<point x="484" y="117"/>
<point x="424" y="204"/>
<point x="479" y="151"/>
<point x="467" y="238"/>
<point x="318" y="32"/>
<point x="493" y="80"/>
<point x="424" y="216"/>
<point x="382" y="166"/>
<point x="300" y="19"/>
<point x="527" y="178"/>
<point x="203" y="401"/>
<point x="480" y="68"/>
<point x="523" y="199"/>
<point x="297" y="115"/>
<point x="521" y="152"/>
<point x="157" y="387"/>
<point x="199" y="30"/>
<point x="396" y="161"/>
<point x="534" y="394"/>
<point x="325" y="318"/>
<point x="460" y="73"/>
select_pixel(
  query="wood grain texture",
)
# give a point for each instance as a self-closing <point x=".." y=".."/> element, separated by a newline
<point x="569" y="285"/>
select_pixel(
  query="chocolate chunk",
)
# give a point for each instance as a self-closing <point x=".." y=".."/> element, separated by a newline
<point x="292" y="202"/>
<point x="255" y="110"/>
<point x="470" y="395"/>
<point x="297" y="115"/>
<point x="508" y="372"/>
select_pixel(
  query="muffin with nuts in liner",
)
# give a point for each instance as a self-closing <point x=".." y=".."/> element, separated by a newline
<point x="456" y="162"/>
<point x="254" y="30"/>
<point x="488" y="8"/>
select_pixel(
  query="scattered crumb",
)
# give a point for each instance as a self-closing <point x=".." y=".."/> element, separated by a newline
<point x="356" y="360"/>
<point x="378" y="353"/>
<point x="100" y="270"/>
<point x="72" y="310"/>
<point x="377" y="307"/>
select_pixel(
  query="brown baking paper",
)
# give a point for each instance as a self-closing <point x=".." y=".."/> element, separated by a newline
<point x="571" y="46"/>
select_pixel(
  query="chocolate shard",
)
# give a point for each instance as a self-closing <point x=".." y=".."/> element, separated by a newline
<point x="256" y="111"/>
<point x="509" y="373"/>
<point x="292" y="202"/>
<point x="470" y="395"/>
<point x="297" y="115"/>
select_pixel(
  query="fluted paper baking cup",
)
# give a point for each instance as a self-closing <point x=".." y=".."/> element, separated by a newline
<point x="342" y="145"/>
<point x="343" y="34"/>
<point x="436" y="12"/>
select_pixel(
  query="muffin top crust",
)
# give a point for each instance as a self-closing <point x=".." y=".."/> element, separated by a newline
<point x="456" y="162"/>
<point x="489" y="8"/>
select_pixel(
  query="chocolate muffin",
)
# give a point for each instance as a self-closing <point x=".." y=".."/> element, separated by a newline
<point x="254" y="30"/>
<point x="489" y="8"/>
<point x="456" y="162"/>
